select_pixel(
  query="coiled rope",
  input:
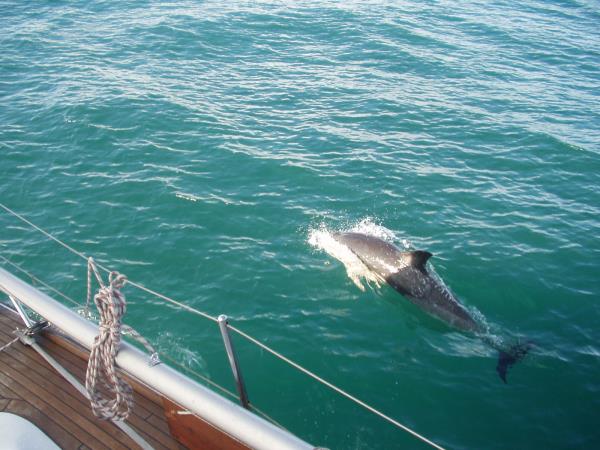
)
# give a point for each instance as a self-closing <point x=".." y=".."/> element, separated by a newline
<point x="101" y="366"/>
<point x="125" y="329"/>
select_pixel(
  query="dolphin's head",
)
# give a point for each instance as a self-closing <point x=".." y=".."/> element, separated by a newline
<point x="378" y="255"/>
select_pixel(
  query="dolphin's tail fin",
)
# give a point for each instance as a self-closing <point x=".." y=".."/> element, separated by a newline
<point x="509" y="357"/>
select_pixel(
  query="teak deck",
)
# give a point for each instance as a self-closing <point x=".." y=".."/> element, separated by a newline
<point x="31" y="388"/>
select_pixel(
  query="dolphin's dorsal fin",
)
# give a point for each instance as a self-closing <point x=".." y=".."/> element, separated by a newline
<point x="419" y="258"/>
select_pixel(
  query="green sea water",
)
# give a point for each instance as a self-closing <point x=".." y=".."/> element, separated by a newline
<point x="197" y="146"/>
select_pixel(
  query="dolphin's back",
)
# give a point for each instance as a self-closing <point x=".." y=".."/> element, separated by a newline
<point x="426" y="292"/>
<point x="378" y="255"/>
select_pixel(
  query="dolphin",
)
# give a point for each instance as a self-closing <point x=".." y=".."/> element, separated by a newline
<point x="406" y="272"/>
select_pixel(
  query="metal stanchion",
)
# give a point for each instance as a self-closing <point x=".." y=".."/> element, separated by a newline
<point x="235" y="367"/>
<point x="21" y="311"/>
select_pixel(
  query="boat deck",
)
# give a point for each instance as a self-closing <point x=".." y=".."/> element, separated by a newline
<point x="31" y="388"/>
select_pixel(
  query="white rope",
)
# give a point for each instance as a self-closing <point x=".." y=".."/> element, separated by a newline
<point x="101" y="367"/>
<point x="125" y="329"/>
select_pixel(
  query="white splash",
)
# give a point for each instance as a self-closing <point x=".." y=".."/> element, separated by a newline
<point x="371" y="228"/>
<point x="322" y="239"/>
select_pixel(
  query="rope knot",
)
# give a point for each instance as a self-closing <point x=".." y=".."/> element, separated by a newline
<point x="112" y="306"/>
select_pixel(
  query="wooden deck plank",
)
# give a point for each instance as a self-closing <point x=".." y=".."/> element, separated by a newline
<point x="159" y="429"/>
<point x="36" y="395"/>
<point x="32" y="387"/>
<point x="11" y="322"/>
<point x="78" y="358"/>
<point x="7" y="393"/>
<point x="58" y="434"/>
<point x="160" y="423"/>
<point x="57" y="417"/>
<point x="160" y="435"/>
<point x="27" y="373"/>
<point x="31" y="360"/>
<point x="63" y="392"/>
<point x="157" y="437"/>
<point x="77" y="367"/>
<point x="17" y="377"/>
<point x="71" y="397"/>
<point x="151" y="400"/>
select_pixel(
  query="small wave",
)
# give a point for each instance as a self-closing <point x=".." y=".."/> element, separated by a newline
<point x="212" y="198"/>
<point x="589" y="350"/>
<point x="168" y="343"/>
<point x="190" y="197"/>
<point x="460" y="345"/>
<point x="109" y="128"/>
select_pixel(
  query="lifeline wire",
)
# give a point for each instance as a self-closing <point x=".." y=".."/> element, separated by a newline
<point x="335" y="388"/>
<point x="83" y="256"/>
<point x="37" y="280"/>
<point x="241" y="333"/>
